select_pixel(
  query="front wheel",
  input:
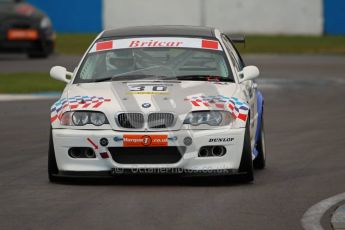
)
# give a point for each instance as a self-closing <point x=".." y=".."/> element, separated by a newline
<point x="260" y="160"/>
<point x="246" y="166"/>
<point x="52" y="165"/>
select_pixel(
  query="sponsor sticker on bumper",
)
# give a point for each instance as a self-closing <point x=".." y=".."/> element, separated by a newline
<point x="134" y="140"/>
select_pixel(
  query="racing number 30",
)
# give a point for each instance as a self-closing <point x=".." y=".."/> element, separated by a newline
<point x="155" y="88"/>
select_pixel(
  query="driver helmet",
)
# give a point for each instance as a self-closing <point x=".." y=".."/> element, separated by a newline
<point x="120" y="60"/>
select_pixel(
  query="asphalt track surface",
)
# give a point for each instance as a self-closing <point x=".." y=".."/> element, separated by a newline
<point x="305" y="123"/>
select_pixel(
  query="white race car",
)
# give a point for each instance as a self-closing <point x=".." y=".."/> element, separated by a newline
<point x="158" y="99"/>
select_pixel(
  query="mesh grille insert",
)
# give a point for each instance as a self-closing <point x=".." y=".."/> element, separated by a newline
<point x="147" y="155"/>
<point x="161" y="120"/>
<point x="131" y="120"/>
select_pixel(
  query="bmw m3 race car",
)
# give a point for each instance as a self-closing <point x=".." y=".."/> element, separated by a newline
<point x="25" y="29"/>
<point x="158" y="99"/>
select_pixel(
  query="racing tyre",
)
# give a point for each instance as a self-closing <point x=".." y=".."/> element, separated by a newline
<point x="52" y="165"/>
<point x="246" y="165"/>
<point x="260" y="160"/>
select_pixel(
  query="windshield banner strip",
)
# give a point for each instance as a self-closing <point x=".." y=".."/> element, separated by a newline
<point x="104" y="45"/>
<point x="156" y="42"/>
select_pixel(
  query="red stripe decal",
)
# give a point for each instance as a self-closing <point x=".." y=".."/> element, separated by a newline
<point x="220" y="106"/>
<point x="231" y="107"/>
<point x="60" y="115"/>
<point x="104" y="155"/>
<point x="209" y="44"/>
<point x="97" y="105"/>
<point x="52" y="119"/>
<point x="206" y="104"/>
<point x="104" y="45"/>
<point x="195" y="103"/>
<point x="242" y="116"/>
<point x="92" y="143"/>
<point x="86" y="105"/>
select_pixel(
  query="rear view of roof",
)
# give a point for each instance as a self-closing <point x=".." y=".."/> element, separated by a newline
<point x="139" y="31"/>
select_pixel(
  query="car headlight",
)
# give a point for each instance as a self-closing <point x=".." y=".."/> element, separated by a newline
<point x="97" y="118"/>
<point x="45" y="23"/>
<point x="80" y="118"/>
<point x="212" y="118"/>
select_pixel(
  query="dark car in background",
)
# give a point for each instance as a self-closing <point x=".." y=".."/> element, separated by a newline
<point x="25" y="29"/>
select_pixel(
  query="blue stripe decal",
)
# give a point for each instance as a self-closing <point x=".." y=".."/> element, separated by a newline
<point x="258" y="129"/>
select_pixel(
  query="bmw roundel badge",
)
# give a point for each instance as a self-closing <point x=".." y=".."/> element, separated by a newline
<point x="146" y="105"/>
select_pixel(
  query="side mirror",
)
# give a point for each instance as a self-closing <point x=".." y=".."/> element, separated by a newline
<point x="249" y="73"/>
<point x="60" y="73"/>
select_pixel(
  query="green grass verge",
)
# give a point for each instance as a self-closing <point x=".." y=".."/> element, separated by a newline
<point x="77" y="44"/>
<point x="28" y="83"/>
<point x="294" y="44"/>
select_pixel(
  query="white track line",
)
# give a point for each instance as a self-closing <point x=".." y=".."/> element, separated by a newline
<point x="21" y="97"/>
<point x="311" y="219"/>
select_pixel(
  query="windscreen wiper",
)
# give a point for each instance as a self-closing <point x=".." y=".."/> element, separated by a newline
<point x="124" y="77"/>
<point x="204" y="78"/>
<point x="132" y="77"/>
<point x="154" y="77"/>
<point x="103" y="79"/>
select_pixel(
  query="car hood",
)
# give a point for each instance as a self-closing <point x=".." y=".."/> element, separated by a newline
<point x="151" y="96"/>
<point x="176" y="97"/>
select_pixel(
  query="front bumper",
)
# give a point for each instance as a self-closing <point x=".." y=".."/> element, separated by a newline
<point x="189" y="163"/>
<point x="46" y="40"/>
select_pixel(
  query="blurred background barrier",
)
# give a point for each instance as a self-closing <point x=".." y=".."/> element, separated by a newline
<point x="334" y="14"/>
<point x="232" y="16"/>
<point x="298" y="17"/>
<point x="273" y="27"/>
<point x="77" y="16"/>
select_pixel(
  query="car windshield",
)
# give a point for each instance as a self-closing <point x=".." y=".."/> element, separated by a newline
<point x="153" y="63"/>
